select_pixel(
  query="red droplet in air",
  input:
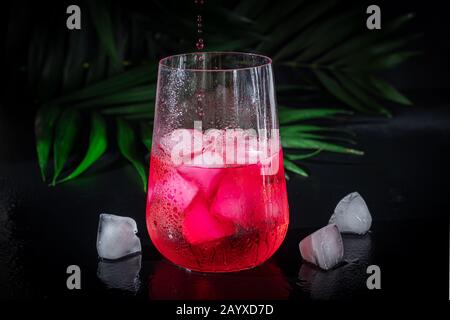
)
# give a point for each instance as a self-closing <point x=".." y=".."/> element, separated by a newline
<point x="200" y="95"/>
<point x="200" y="45"/>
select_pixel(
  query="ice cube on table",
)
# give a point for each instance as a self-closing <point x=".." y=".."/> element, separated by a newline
<point x="351" y="215"/>
<point x="200" y="226"/>
<point x="116" y="237"/>
<point x="323" y="248"/>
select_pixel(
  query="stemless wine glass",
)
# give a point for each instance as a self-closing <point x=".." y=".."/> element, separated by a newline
<point x="217" y="197"/>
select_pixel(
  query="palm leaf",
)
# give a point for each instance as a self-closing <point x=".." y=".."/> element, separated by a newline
<point x="125" y="80"/>
<point x="146" y="134"/>
<point x="129" y="109"/>
<point x="65" y="133"/>
<point x="133" y="95"/>
<point x="360" y="93"/>
<point x="299" y="128"/>
<point x="97" y="146"/>
<point x="126" y="140"/>
<point x="298" y="143"/>
<point x="336" y="89"/>
<point x="388" y="92"/>
<point x="303" y="156"/>
<point x="286" y="29"/>
<point x="347" y="50"/>
<point x="44" y="126"/>
<point x="103" y="25"/>
<point x="291" y="166"/>
<point x="288" y="115"/>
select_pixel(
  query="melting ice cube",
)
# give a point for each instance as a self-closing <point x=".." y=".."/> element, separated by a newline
<point x="323" y="248"/>
<point x="239" y="196"/>
<point x="205" y="173"/>
<point x="352" y="215"/>
<point x="116" y="237"/>
<point x="180" y="191"/>
<point x="206" y="179"/>
<point x="200" y="226"/>
<point x="335" y="284"/>
<point x="122" y="274"/>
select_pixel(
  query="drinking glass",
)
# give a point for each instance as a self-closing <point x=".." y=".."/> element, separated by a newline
<point x="217" y="197"/>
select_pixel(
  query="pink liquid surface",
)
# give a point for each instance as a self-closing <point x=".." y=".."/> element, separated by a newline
<point x="216" y="219"/>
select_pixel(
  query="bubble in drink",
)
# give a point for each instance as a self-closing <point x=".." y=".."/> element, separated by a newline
<point x="211" y="215"/>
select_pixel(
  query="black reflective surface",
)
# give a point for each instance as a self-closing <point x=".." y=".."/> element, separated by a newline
<point x="403" y="178"/>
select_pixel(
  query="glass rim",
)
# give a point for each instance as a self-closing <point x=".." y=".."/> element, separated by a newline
<point x="266" y="61"/>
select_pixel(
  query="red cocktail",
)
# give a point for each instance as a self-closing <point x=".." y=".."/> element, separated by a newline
<point x="217" y="198"/>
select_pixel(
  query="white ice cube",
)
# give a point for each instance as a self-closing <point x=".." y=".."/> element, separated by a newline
<point x="352" y="215"/>
<point x="323" y="248"/>
<point x="176" y="189"/>
<point x="116" y="237"/>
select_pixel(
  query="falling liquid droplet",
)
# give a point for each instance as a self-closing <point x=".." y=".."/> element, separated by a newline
<point x="200" y="45"/>
<point x="200" y="96"/>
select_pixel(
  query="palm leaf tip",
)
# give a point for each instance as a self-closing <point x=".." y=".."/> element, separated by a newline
<point x="65" y="134"/>
<point x="44" y="123"/>
<point x="294" y="142"/>
<point x="291" y="166"/>
<point x="126" y="140"/>
<point x="96" y="148"/>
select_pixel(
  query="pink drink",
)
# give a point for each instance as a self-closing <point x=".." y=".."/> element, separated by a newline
<point x="216" y="218"/>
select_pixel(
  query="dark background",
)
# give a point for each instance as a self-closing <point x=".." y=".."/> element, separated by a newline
<point x="403" y="178"/>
